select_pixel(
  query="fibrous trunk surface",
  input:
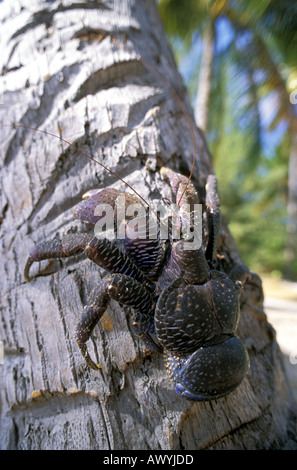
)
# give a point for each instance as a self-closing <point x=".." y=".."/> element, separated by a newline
<point x="76" y="69"/>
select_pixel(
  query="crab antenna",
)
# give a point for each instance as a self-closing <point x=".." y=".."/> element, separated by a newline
<point x="79" y="151"/>
<point x="182" y="106"/>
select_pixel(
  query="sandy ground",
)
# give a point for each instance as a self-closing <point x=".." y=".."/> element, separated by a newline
<point x="281" y="309"/>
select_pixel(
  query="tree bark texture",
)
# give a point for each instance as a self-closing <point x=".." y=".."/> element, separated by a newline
<point x="75" y="69"/>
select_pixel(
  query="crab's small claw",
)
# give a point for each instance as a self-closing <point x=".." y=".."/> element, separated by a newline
<point x="70" y="245"/>
<point x="87" y="358"/>
<point x="28" y="265"/>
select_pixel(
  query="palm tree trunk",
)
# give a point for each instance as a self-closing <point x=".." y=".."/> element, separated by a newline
<point x="291" y="245"/>
<point x="202" y="102"/>
<point x="76" y="69"/>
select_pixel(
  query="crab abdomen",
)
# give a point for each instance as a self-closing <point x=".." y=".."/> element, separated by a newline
<point x="210" y="372"/>
<point x="188" y="316"/>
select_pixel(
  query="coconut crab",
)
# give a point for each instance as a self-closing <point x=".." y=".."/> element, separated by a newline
<point x="179" y="303"/>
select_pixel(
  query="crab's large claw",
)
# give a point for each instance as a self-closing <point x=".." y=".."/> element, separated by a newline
<point x="87" y="209"/>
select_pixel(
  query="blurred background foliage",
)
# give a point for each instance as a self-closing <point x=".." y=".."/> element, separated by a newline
<point x="238" y="60"/>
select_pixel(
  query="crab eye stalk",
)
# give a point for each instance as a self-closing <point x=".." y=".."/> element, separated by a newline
<point x="211" y="372"/>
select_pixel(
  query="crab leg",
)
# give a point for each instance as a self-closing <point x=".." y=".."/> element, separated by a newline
<point x="70" y="245"/>
<point x="123" y="289"/>
<point x="108" y="255"/>
<point x="103" y="252"/>
<point x="127" y="284"/>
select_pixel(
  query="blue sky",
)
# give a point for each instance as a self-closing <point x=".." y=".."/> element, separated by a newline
<point x="189" y="65"/>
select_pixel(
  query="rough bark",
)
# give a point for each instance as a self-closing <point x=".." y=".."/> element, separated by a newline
<point x="75" y="69"/>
